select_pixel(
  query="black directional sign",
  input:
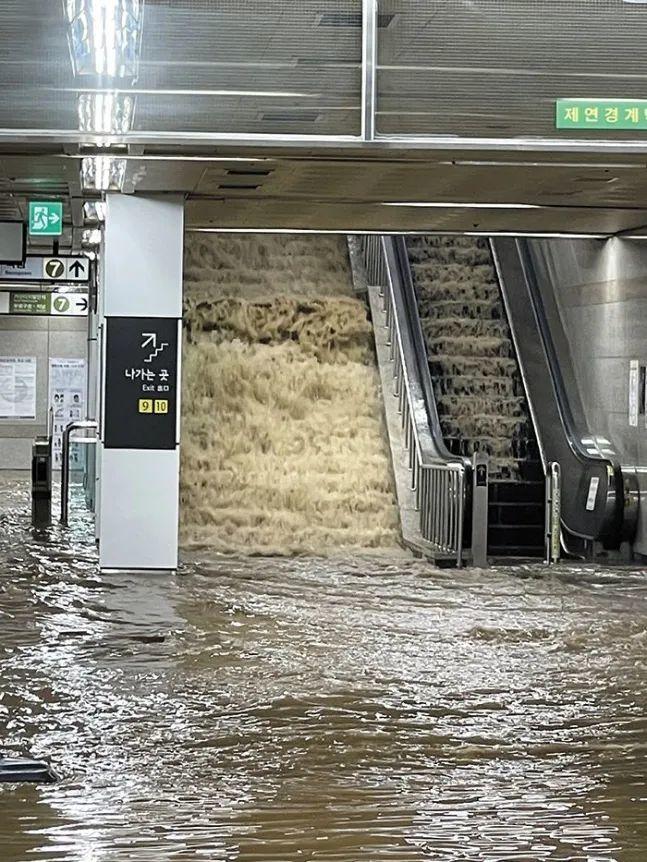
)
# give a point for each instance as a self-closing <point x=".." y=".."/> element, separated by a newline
<point x="140" y="404"/>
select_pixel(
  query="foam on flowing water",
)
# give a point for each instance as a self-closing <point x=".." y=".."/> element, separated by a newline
<point x="283" y="441"/>
<point x="477" y="383"/>
<point x="346" y="709"/>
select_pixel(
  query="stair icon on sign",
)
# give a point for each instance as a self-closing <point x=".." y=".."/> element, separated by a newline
<point x="150" y="340"/>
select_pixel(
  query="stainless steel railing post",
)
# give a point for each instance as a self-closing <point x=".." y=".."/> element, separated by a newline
<point x="65" y="462"/>
<point x="553" y="512"/>
<point x="480" y="509"/>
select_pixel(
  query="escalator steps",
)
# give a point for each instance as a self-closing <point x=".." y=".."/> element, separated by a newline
<point x="477" y="383"/>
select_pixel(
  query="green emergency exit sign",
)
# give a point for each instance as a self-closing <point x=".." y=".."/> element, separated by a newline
<point x="601" y="114"/>
<point x="45" y="218"/>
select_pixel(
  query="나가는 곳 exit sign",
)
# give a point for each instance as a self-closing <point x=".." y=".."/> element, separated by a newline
<point x="607" y="114"/>
<point x="45" y="218"/>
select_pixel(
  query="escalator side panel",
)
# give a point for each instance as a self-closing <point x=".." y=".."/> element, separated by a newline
<point x="591" y="509"/>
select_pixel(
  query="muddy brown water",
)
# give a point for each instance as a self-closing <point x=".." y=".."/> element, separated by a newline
<point x="368" y="708"/>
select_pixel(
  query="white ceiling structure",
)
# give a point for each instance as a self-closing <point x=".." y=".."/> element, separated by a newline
<point x="350" y="115"/>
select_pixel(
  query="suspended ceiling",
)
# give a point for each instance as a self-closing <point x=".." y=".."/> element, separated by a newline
<point x="253" y="111"/>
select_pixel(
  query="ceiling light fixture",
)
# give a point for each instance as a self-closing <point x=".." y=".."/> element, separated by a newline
<point x="444" y="205"/>
<point x="94" y="211"/>
<point x="105" y="36"/>
<point x="103" y="173"/>
<point x="105" y="113"/>
<point x="91" y="236"/>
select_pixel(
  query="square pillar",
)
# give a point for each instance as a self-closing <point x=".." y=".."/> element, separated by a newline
<point x="140" y="337"/>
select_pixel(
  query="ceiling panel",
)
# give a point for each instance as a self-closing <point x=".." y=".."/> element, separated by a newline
<point x="256" y="213"/>
<point x="494" y="68"/>
<point x="236" y="66"/>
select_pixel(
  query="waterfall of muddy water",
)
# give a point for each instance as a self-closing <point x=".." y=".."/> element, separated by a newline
<point x="283" y="444"/>
<point x="478" y="387"/>
<point x="333" y="709"/>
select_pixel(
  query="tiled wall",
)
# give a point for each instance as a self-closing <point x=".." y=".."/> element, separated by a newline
<point x="42" y="337"/>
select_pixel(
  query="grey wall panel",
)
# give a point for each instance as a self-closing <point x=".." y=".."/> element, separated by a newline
<point x="15" y="454"/>
<point x="601" y="292"/>
<point x="44" y="338"/>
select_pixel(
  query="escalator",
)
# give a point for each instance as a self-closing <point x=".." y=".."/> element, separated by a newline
<point x="477" y="384"/>
<point x="496" y="379"/>
<point x="599" y="498"/>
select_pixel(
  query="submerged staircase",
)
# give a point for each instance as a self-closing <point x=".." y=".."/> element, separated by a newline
<point x="477" y="384"/>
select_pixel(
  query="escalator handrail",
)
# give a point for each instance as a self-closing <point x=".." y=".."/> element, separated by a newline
<point x="574" y="434"/>
<point x="417" y="377"/>
<point x="440" y="482"/>
<point x="611" y="521"/>
<point x="409" y="308"/>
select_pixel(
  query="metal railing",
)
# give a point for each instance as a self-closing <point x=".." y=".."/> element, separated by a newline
<point x="439" y="485"/>
<point x="87" y="424"/>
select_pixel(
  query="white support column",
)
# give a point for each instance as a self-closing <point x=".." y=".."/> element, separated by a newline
<point x="140" y="395"/>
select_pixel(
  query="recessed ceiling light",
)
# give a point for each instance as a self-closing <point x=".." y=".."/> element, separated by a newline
<point x="105" y="36"/>
<point x="92" y="236"/>
<point x="105" y="113"/>
<point x="446" y="205"/>
<point x="103" y="173"/>
<point x="94" y="210"/>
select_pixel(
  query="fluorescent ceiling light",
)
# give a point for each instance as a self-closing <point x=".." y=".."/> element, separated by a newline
<point x="105" y="113"/>
<point x="462" y="205"/>
<point x="105" y="36"/>
<point x="536" y="234"/>
<point x="103" y="173"/>
<point x="94" y="210"/>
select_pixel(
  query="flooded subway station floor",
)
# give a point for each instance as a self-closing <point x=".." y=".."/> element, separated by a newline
<point x="340" y="709"/>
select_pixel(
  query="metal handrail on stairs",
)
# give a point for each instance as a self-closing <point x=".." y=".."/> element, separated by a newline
<point x="439" y="485"/>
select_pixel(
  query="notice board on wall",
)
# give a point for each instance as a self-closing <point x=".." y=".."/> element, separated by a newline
<point x="18" y="387"/>
<point x="67" y="388"/>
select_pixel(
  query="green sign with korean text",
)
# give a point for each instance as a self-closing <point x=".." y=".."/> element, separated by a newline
<point x="601" y="114"/>
<point x="30" y="303"/>
<point x="45" y="218"/>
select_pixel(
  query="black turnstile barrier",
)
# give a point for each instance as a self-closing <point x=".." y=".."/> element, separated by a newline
<point x="41" y="482"/>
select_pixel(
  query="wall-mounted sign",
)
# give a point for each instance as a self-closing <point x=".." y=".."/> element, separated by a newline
<point x="140" y="402"/>
<point x="601" y="114"/>
<point x="48" y="303"/>
<point x="75" y="304"/>
<point x="65" y="268"/>
<point x="18" y="387"/>
<point x="67" y="385"/>
<point x="45" y="218"/>
<point x="29" y="303"/>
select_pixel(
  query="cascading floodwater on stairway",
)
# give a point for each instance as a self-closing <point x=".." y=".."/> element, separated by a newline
<point x="284" y="446"/>
<point x="478" y="386"/>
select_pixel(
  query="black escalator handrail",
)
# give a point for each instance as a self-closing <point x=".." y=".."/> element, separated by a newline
<point x="418" y="384"/>
<point x="607" y="524"/>
<point x="574" y="434"/>
<point x="409" y="308"/>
